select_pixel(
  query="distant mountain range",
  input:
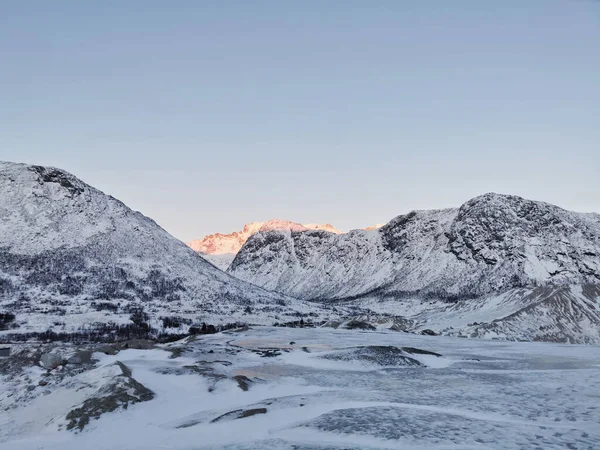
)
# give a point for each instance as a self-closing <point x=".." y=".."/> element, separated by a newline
<point x="499" y="266"/>
<point x="220" y="249"/>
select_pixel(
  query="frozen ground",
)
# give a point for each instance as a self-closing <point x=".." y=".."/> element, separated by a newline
<point x="274" y="388"/>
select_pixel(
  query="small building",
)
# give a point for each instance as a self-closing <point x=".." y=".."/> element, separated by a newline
<point x="4" y="351"/>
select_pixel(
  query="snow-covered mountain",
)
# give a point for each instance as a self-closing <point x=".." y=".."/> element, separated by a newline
<point x="220" y="249"/>
<point x="491" y="243"/>
<point x="491" y="247"/>
<point x="71" y="255"/>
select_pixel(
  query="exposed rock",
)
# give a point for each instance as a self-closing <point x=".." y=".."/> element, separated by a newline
<point x="52" y="360"/>
<point x="418" y="351"/>
<point x="268" y="352"/>
<point x="243" y="382"/>
<point x="176" y="352"/>
<point x="376" y="355"/>
<point x="402" y="324"/>
<point x="122" y="391"/>
<point x="239" y="414"/>
<point x="358" y="325"/>
<point x="81" y="357"/>
<point x="139" y="344"/>
<point x="20" y="359"/>
<point x="428" y="332"/>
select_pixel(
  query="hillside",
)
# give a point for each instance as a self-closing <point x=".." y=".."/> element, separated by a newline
<point x="71" y="256"/>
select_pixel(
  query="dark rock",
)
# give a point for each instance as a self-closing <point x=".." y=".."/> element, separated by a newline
<point x="403" y="324"/>
<point x="428" y="332"/>
<point x="121" y="392"/>
<point x="139" y="344"/>
<point x="81" y="357"/>
<point x="243" y="382"/>
<point x="51" y="175"/>
<point x="418" y="351"/>
<point x="176" y="352"/>
<point x="20" y="359"/>
<point x="43" y="383"/>
<point x="358" y="325"/>
<point x="375" y="354"/>
<point x="268" y="353"/>
<point x="126" y="370"/>
<point x="239" y="414"/>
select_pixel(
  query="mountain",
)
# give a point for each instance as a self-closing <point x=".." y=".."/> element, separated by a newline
<point x="492" y="245"/>
<point x="220" y="249"/>
<point x="71" y="255"/>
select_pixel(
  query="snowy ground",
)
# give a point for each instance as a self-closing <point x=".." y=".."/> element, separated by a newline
<point x="256" y="390"/>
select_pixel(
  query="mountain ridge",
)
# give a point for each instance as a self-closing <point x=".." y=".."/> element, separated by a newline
<point x="67" y="248"/>
<point x="490" y="247"/>
<point x="496" y="236"/>
<point x="220" y="249"/>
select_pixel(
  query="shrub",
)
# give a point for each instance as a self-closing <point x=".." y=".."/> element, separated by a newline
<point x="6" y="319"/>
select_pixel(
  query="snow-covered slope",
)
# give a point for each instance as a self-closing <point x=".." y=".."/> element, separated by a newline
<point x="498" y="266"/>
<point x="491" y="243"/>
<point x="220" y="249"/>
<point x="65" y="247"/>
<point x="566" y="313"/>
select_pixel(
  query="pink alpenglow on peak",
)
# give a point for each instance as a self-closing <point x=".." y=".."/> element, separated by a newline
<point x="220" y="249"/>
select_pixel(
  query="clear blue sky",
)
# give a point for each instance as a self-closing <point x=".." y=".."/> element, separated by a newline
<point x="205" y="115"/>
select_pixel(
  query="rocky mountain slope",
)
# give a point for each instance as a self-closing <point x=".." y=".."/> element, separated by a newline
<point x="71" y="256"/>
<point x="492" y="246"/>
<point x="220" y="249"/>
<point x="491" y="243"/>
<point x="566" y="313"/>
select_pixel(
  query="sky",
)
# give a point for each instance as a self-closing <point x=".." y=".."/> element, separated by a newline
<point x="207" y="115"/>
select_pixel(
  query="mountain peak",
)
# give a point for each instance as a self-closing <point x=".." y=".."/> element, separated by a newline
<point x="281" y="225"/>
<point x="67" y="244"/>
<point x="220" y="249"/>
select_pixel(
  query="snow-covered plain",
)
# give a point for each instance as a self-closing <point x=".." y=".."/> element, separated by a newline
<point x="314" y="389"/>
